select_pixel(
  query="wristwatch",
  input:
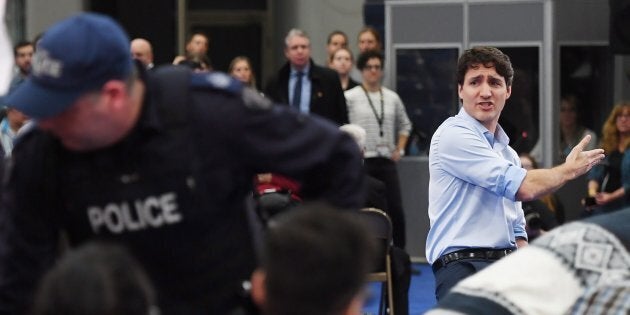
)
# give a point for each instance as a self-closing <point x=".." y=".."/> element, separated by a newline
<point x="401" y="152"/>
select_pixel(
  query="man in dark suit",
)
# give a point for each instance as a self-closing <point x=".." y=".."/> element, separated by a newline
<point x="306" y="86"/>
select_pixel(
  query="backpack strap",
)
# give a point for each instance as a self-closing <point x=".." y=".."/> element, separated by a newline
<point x="170" y="90"/>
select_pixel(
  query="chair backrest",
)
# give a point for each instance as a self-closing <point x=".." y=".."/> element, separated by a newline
<point x="381" y="229"/>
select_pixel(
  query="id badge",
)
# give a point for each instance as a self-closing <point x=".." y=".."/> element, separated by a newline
<point x="383" y="150"/>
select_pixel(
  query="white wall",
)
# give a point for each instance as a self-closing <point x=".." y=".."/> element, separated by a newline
<point x="318" y="19"/>
<point x="42" y="14"/>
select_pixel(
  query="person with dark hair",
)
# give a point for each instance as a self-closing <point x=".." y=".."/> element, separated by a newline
<point x="315" y="261"/>
<point x="336" y="39"/>
<point x="196" y="55"/>
<point x="159" y="161"/>
<point x="382" y="114"/>
<point x="23" y="54"/>
<point x="96" y="279"/>
<point x="476" y="182"/>
<point x="368" y="39"/>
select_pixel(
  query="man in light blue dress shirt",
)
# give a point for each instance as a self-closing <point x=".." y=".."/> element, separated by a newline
<point x="476" y="181"/>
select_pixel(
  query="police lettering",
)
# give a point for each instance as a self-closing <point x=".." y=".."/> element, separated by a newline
<point x="151" y="212"/>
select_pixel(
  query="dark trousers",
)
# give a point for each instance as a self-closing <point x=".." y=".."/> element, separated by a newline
<point x="448" y="276"/>
<point x="385" y="170"/>
<point x="401" y="280"/>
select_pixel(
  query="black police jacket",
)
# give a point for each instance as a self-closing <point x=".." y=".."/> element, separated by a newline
<point x="172" y="191"/>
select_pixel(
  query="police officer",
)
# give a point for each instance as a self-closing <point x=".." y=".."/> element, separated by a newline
<point x="160" y="162"/>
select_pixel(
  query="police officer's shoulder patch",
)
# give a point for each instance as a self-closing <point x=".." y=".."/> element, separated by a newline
<point x="253" y="99"/>
<point x="222" y="82"/>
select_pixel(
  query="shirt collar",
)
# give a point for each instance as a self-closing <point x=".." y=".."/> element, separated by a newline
<point x="306" y="69"/>
<point x="498" y="138"/>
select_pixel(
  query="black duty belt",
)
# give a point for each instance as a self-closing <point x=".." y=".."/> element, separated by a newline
<point x="477" y="253"/>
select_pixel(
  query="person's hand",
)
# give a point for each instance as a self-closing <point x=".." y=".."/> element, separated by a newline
<point x="603" y="198"/>
<point x="578" y="162"/>
<point x="520" y="243"/>
<point x="396" y="156"/>
<point x="264" y="178"/>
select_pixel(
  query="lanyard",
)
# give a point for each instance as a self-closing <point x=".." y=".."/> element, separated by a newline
<point x="378" y="119"/>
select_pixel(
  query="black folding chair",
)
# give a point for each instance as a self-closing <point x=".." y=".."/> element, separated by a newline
<point x="381" y="228"/>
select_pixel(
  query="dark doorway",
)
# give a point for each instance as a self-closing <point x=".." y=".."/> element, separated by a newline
<point x="229" y="41"/>
<point x="520" y="115"/>
<point x="586" y="72"/>
<point x="153" y="20"/>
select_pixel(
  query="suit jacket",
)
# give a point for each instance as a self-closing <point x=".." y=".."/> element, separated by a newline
<point x="327" y="99"/>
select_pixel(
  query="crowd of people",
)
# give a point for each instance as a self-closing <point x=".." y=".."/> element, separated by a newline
<point x="147" y="175"/>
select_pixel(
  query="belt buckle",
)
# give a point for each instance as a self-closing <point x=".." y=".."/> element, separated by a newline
<point x="451" y="257"/>
<point x="504" y="252"/>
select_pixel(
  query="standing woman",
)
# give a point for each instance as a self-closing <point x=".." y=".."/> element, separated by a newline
<point x="368" y="39"/>
<point x="382" y="114"/>
<point x="609" y="181"/>
<point x="241" y="69"/>
<point x="571" y="131"/>
<point x="336" y="39"/>
<point x="342" y="61"/>
<point x="571" y="128"/>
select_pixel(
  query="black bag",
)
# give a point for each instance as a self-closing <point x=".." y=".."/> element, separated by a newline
<point x="269" y="204"/>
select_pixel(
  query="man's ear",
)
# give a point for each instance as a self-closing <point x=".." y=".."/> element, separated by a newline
<point x="509" y="92"/>
<point x="258" y="292"/>
<point x="115" y="92"/>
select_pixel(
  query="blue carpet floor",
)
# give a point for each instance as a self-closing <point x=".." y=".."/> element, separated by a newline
<point x="421" y="292"/>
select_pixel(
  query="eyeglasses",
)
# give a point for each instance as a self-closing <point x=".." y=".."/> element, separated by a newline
<point x="372" y="67"/>
<point x="626" y="116"/>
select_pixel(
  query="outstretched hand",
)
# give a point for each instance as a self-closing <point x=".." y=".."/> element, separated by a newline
<point x="579" y="162"/>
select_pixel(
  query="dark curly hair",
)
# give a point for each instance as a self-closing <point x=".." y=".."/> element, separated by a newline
<point x="364" y="57"/>
<point x="488" y="57"/>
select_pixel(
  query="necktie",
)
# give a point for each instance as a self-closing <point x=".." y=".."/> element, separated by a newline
<point x="297" y="91"/>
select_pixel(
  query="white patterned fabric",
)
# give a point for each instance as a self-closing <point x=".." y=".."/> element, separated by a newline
<point x="578" y="268"/>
